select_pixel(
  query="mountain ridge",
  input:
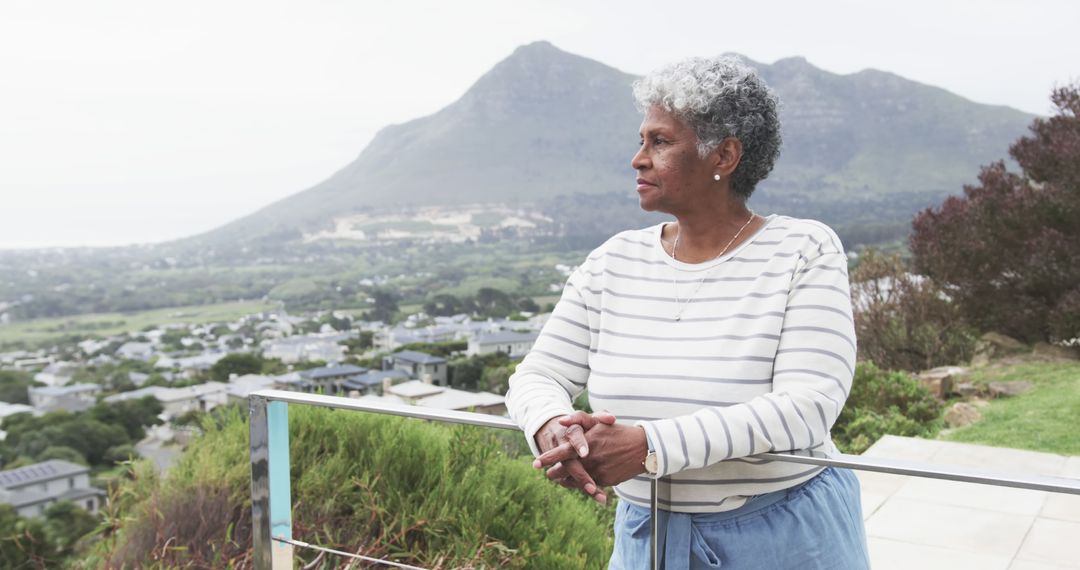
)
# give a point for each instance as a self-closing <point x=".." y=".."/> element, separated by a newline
<point x="546" y="122"/>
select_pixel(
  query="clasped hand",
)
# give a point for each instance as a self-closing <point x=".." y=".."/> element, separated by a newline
<point x="589" y="452"/>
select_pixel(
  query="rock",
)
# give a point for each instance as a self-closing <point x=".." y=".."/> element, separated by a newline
<point x="1013" y="388"/>
<point x="1056" y="352"/>
<point x="940" y="380"/>
<point x="992" y="346"/>
<point x="961" y="414"/>
<point x="966" y="390"/>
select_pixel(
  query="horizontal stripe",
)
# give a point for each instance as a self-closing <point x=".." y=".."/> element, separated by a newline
<point x="843" y="360"/>
<point x="826" y="308"/>
<point x="654" y="398"/>
<point x="620" y="314"/>
<point x="672" y="299"/>
<point x="596" y="372"/>
<point x="633" y="241"/>
<point x="627" y="258"/>
<point x="740" y="481"/>
<point x="820" y="330"/>
<point x="678" y="357"/>
<point x="671" y="503"/>
<point x="817" y="373"/>
<point x="566" y="340"/>
<point x="561" y="359"/>
<point x="628" y="277"/>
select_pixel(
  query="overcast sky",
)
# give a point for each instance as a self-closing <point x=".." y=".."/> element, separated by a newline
<point x="141" y="121"/>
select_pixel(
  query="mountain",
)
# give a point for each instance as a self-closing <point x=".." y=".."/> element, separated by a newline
<point x="544" y="123"/>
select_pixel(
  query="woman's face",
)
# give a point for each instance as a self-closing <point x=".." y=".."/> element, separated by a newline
<point x="670" y="172"/>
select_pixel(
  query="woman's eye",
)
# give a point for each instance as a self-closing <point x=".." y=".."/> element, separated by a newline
<point x="659" y="140"/>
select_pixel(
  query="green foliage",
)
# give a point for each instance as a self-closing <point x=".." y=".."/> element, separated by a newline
<point x="240" y="363"/>
<point x="90" y="437"/>
<point x="1009" y="249"/>
<point x="132" y="415"/>
<point x="883" y="402"/>
<point x="903" y="321"/>
<point x="413" y="492"/>
<point x="62" y="452"/>
<point x="14" y="385"/>
<point x="468" y="373"/>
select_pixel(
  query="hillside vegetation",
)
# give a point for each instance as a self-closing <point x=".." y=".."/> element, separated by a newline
<point x="405" y="490"/>
<point x="1042" y="419"/>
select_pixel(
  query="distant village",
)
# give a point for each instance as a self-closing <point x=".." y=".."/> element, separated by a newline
<point x="330" y="353"/>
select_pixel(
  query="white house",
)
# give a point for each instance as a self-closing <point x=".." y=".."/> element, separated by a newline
<point x="56" y="374"/>
<point x="33" y="488"/>
<point x="513" y="344"/>
<point x="136" y="351"/>
<point x="73" y="398"/>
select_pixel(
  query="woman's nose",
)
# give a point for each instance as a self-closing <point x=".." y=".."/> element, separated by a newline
<point x="640" y="160"/>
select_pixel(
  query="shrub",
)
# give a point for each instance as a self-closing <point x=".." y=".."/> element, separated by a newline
<point x="394" y="488"/>
<point x="1008" y="251"/>
<point x="884" y="402"/>
<point x="905" y="321"/>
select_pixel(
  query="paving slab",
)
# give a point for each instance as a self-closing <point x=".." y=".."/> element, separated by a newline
<point x="999" y="499"/>
<point x="1053" y="542"/>
<point x="888" y="554"/>
<point x="915" y="522"/>
<point x="1029" y="565"/>
<point x="998" y="458"/>
<point x="960" y="528"/>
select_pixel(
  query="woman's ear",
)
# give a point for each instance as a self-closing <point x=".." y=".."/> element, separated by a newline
<point x="726" y="156"/>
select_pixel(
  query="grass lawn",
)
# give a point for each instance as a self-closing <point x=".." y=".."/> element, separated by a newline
<point x="103" y="324"/>
<point x="1042" y="419"/>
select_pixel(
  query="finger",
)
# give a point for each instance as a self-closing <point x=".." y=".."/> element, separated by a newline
<point x="604" y="417"/>
<point x="561" y="452"/>
<point x="578" y="418"/>
<point x="576" y="437"/>
<point x="557" y="472"/>
<point x="577" y="471"/>
<point x="568" y="476"/>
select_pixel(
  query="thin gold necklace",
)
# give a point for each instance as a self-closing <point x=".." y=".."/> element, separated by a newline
<point x="682" y="305"/>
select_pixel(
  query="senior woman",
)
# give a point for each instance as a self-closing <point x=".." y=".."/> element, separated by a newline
<point x="719" y="336"/>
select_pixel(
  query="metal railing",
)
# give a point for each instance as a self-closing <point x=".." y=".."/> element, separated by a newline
<point x="271" y="496"/>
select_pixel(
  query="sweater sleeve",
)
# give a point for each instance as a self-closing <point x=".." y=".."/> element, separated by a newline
<point x="812" y="374"/>
<point x="556" y="370"/>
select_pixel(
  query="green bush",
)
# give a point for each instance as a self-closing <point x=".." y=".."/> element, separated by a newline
<point x="884" y="402"/>
<point x="410" y="491"/>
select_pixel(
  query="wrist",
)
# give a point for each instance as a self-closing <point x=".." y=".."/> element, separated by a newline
<point x="648" y="455"/>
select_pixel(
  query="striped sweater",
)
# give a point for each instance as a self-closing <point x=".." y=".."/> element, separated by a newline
<point x="761" y="358"/>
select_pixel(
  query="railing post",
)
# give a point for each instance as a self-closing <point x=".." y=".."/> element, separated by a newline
<point x="654" y="507"/>
<point x="271" y="500"/>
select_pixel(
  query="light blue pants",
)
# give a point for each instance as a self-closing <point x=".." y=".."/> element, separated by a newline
<point x="815" y="525"/>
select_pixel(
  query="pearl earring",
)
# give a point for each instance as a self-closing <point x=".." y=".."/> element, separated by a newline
<point x="716" y="177"/>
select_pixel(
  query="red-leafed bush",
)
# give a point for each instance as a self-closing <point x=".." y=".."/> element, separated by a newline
<point x="1008" y="251"/>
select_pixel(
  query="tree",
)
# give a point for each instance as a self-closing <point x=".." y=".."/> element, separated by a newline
<point x="384" y="306"/>
<point x="1008" y="251"/>
<point x="132" y="415"/>
<point x="239" y="364"/>
<point x="904" y="321"/>
<point x="13" y="386"/>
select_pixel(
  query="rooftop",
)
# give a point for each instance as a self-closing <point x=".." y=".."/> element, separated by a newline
<point x="332" y="371"/>
<point x="417" y="357"/>
<point x="38" y="472"/>
<point x="64" y="390"/>
<point x="503" y="337"/>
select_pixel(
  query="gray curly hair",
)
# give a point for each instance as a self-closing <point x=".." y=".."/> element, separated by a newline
<point x="719" y="98"/>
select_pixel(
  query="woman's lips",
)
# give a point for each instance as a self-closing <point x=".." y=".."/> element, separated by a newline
<point x="643" y="184"/>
